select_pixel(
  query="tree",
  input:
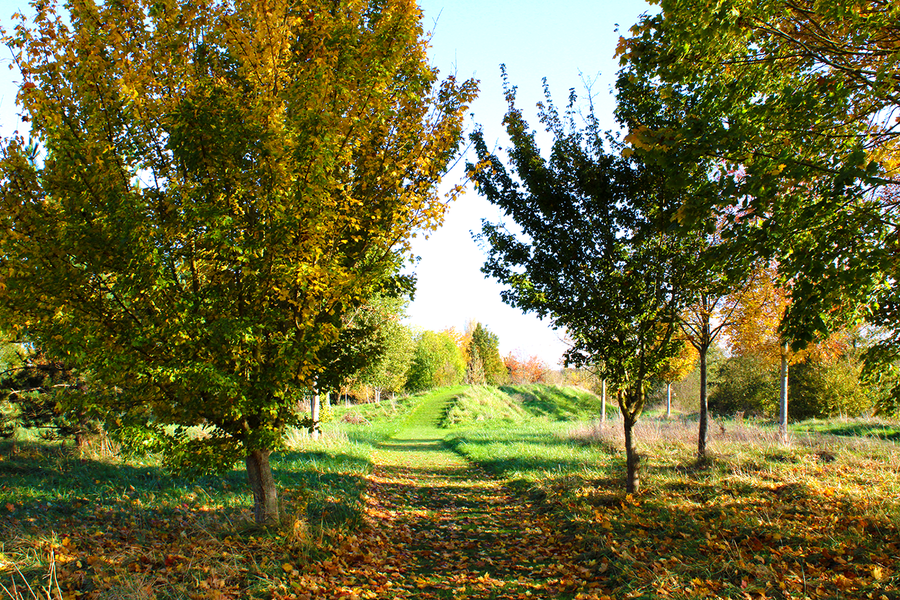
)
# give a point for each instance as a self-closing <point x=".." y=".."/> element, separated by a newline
<point x="388" y="370"/>
<point x="437" y="362"/>
<point x="50" y="397"/>
<point x="794" y="104"/>
<point x="756" y="329"/>
<point x="525" y="369"/>
<point x="677" y="368"/>
<point x="208" y="187"/>
<point x="484" y="357"/>
<point x="592" y="253"/>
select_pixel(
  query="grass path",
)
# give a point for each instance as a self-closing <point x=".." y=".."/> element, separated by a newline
<point x="441" y="528"/>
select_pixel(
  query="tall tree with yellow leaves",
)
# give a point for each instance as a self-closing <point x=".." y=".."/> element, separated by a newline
<point x="207" y="187"/>
<point x="755" y="328"/>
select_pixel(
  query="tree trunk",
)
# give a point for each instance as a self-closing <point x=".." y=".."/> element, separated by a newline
<point x="668" y="399"/>
<point x="603" y="403"/>
<point x="632" y="481"/>
<point x="314" y="411"/>
<point x="783" y="404"/>
<point x="265" y="496"/>
<point x="704" y="406"/>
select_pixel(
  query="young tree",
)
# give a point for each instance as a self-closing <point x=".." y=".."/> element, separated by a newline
<point x="592" y="254"/>
<point x="484" y="357"/>
<point x="208" y="187"/>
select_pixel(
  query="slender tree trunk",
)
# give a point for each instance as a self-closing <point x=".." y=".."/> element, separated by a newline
<point x="704" y="405"/>
<point x="668" y="399"/>
<point x="603" y="403"/>
<point x="265" y="496"/>
<point x="632" y="481"/>
<point x="314" y="410"/>
<point x="783" y="404"/>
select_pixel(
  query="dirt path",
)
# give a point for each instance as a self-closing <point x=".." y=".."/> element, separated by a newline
<point x="441" y="528"/>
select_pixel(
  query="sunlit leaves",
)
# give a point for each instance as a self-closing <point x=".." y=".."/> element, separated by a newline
<point x="216" y="184"/>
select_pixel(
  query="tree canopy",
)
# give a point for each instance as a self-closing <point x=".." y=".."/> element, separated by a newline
<point x="793" y="106"/>
<point x="589" y="249"/>
<point x="206" y="189"/>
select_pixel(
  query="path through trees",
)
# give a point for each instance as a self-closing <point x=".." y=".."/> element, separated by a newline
<point x="442" y="528"/>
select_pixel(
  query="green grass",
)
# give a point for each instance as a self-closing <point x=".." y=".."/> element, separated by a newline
<point x="852" y="428"/>
<point x="816" y="518"/>
<point x="128" y="519"/>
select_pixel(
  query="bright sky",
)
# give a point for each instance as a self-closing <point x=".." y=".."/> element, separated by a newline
<point x="564" y="41"/>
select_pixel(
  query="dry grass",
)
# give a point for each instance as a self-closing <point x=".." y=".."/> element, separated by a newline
<point x="24" y="591"/>
<point x="863" y="469"/>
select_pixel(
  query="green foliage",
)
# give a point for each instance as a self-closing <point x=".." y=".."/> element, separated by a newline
<point x="388" y="371"/>
<point x="828" y="389"/>
<point x="745" y="384"/>
<point x="791" y="106"/>
<point x="374" y="348"/>
<point x="214" y="187"/>
<point x="437" y="362"/>
<point x="817" y="388"/>
<point x="48" y="396"/>
<point x="484" y="357"/>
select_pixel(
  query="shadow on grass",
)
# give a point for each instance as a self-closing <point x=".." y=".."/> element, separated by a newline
<point x="144" y="516"/>
<point x="883" y="432"/>
<point x="554" y="402"/>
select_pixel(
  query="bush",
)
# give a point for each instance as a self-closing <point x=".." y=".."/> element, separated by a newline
<point x="820" y="390"/>
<point x="744" y="384"/>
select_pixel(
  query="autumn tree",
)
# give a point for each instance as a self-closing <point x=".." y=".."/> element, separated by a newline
<point x="677" y="368"/>
<point x="592" y="254"/>
<point x="525" y="369"/>
<point x="756" y="329"/>
<point x="207" y="188"/>
<point x="793" y="105"/>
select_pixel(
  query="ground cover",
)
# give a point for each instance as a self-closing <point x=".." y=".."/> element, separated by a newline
<point x="817" y="518"/>
<point x="518" y="496"/>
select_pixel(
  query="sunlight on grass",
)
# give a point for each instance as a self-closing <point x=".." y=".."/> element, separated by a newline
<point x="817" y="517"/>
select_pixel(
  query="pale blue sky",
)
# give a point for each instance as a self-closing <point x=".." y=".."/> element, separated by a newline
<point x="562" y="41"/>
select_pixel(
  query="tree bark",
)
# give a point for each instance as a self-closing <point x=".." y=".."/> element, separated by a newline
<point x="632" y="481"/>
<point x="668" y="399"/>
<point x="783" y="403"/>
<point x="603" y="403"/>
<point x="314" y="411"/>
<point x="265" y="496"/>
<point x="704" y="405"/>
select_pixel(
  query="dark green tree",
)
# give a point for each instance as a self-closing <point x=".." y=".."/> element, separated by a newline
<point x="593" y="254"/>
<point x="484" y="355"/>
